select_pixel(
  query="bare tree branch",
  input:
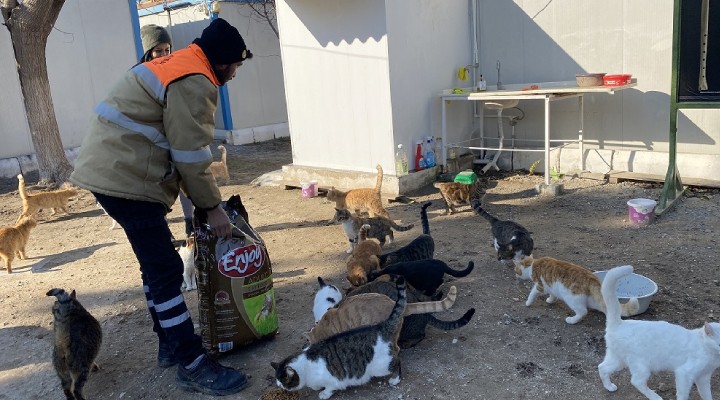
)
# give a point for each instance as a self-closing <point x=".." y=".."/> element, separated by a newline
<point x="266" y="11"/>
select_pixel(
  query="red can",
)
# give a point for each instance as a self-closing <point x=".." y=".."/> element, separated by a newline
<point x="616" y="80"/>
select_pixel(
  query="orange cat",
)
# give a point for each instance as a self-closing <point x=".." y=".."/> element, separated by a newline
<point x="13" y="240"/>
<point x="361" y="199"/>
<point x="363" y="259"/>
<point x="578" y="287"/>
<point x="33" y="202"/>
<point x="219" y="169"/>
<point x="457" y="194"/>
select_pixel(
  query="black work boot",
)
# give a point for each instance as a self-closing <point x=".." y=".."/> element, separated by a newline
<point x="210" y="377"/>
<point x="166" y="355"/>
<point x="188" y="226"/>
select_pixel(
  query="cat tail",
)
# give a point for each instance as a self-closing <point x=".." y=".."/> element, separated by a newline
<point x="424" y="217"/>
<point x="401" y="228"/>
<point x="21" y="187"/>
<point x="396" y="315"/>
<point x="450" y="325"/>
<point x="460" y="273"/>
<point x="608" y="288"/>
<point x="363" y="233"/>
<point x="424" y="307"/>
<point x="223" y="154"/>
<point x="476" y="206"/>
<point x="378" y="182"/>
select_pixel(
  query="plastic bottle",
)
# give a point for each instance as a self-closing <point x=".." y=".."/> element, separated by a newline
<point x="429" y="152"/>
<point x="419" y="159"/>
<point x="401" y="162"/>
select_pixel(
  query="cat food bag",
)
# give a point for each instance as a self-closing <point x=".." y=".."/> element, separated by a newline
<point x="235" y="286"/>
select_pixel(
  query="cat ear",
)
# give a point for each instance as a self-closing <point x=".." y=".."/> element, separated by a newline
<point x="321" y="282"/>
<point x="274" y="365"/>
<point x="72" y="295"/>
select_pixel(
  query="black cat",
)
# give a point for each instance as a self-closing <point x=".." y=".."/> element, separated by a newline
<point x="424" y="275"/>
<point x="421" y="248"/>
<point x="511" y="240"/>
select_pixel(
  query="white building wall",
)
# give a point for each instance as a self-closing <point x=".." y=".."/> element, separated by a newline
<point x="337" y="85"/>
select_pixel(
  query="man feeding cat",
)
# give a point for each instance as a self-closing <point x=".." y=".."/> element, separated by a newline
<point x="151" y="137"/>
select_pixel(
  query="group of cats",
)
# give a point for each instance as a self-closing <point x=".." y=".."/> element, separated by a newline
<point x="352" y="344"/>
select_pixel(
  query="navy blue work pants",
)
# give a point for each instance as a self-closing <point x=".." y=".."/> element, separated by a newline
<point x="161" y="270"/>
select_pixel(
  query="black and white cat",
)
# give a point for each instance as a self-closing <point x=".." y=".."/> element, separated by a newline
<point x="511" y="240"/>
<point x="327" y="297"/>
<point x="347" y="359"/>
<point x="653" y="346"/>
<point x="421" y="248"/>
<point x="424" y="275"/>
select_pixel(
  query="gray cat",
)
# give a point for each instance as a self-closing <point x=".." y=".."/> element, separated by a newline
<point x="76" y="345"/>
<point x="347" y="359"/>
<point x="380" y="227"/>
<point x="511" y="240"/>
<point x="421" y="248"/>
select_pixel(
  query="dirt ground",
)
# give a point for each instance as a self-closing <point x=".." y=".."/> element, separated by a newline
<point x="507" y="351"/>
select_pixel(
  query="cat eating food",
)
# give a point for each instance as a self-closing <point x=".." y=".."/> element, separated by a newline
<point x="511" y="240"/>
<point x="380" y="227"/>
<point x="77" y="341"/>
<point x="578" y="287"/>
<point x="424" y="275"/>
<point x="653" y="346"/>
<point x="327" y="297"/>
<point x="457" y="194"/>
<point x="13" y="240"/>
<point x="348" y="359"/>
<point x="57" y="200"/>
<point x="361" y="199"/>
<point x="364" y="259"/>
<point x="421" y="248"/>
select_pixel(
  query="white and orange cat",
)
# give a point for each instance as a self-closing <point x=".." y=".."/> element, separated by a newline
<point x="369" y="309"/>
<point x="13" y="240"/>
<point x="364" y="259"/>
<point x="219" y="169"/>
<point x="33" y="202"/>
<point x="187" y="254"/>
<point x="578" y="287"/>
<point x="646" y="347"/>
<point x="361" y="199"/>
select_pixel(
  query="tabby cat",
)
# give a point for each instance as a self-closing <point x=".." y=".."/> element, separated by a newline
<point x="327" y="297"/>
<point x="363" y="259"/>
<point x="413" y="327"/>
<point x="370" y="309"/>
<point x="13" y="240"/>
<point x="350" y="358"/>
<point x="77" y="341"/>
<point x="219" y="169"/>
<point x="578" y="287"/>
<point x="421" y="248"/>
<point x="380" y="227"/>
<point x="361" y="199"/>
<point x="424" y="275"/>
<point x="511" y="240"/>
<point x="653" y="346"/>
<point x="457" y="194"/>
<point x="33" y="202"/>
<point x="267" y="308"/>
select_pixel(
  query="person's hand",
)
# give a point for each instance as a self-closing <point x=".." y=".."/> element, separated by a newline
<point x="219" y="222"/>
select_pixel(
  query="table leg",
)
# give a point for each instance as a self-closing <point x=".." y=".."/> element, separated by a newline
<point x="580" y="133"/>
<point x="547" y="140"/>
<point x="444" y="136"/>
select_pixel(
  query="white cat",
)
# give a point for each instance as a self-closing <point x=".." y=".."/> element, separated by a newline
<point x="187" y="253"/>
<point x="114" y="223"/>
<point x="652" y="346"/>
<point x="327" y="297"/>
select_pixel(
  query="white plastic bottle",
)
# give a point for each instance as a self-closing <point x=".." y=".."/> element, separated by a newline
<point x="401" y="161"/>
<point x="429" y="152"/>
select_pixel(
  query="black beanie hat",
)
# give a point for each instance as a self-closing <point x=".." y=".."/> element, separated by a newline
<point x="222" y="43"/>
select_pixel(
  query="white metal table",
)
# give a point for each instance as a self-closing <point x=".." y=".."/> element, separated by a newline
<point x="546" y="91"/>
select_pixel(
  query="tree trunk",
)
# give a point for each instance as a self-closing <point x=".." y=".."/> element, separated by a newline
<point x="30" y="24"/>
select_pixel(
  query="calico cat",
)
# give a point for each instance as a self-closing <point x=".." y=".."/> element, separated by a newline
<point x="187" y="254"/>
<point x="77" y="341"/>
<point x="219" y="169"/>
<point x="361" y="199"/>
<point x="511" y="240"/>
<point x="457" y="194"/>
<point x="653" y="346"/>
<point x="13" y="240"/>
<point x="424" y="275"/>
<point x="421" y="248"/>
<point x="363" y="259"/>
<point x="578" y="287"/>
<point x="327" y="297"/>
<point x="380" y="227"/>
<point x="267" y="308"/>
<point x="413" y="327"/>
<point x="370" y="309"/>
<point x="350" y="358"/>
<point x="33" y="202"/>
